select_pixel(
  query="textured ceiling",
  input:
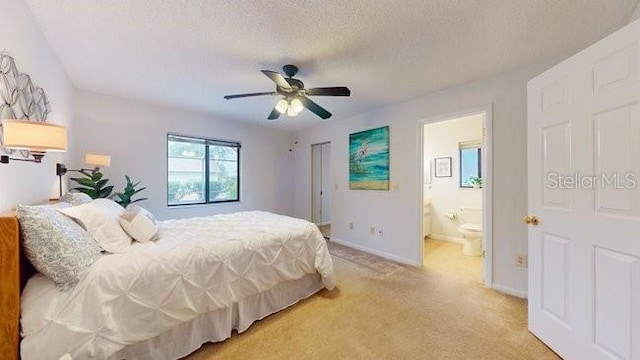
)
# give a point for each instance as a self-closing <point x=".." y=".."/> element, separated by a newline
<point x="189" y="53"/>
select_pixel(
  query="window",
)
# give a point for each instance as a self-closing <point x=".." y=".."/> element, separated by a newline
<point x="470" y="164"/>
<point x="193" y="180"/>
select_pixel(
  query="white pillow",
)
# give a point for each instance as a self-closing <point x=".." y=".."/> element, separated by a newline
<point x="100" y="219"/>
<point x="139" y="223"/>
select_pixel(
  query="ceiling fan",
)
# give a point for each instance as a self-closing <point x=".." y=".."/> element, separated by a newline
<point x="295" y="96"/>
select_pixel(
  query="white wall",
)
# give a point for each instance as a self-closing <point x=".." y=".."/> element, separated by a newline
<point x="23" y="182"/>
<point x="442" y="139"/>
<point x="135" y="136"/>
<point x="398" y="212"/>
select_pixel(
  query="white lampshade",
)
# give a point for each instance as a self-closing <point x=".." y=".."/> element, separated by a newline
<point x="97" y="160"/>
<point x="296" y="106"/>
<point x="282" y="106"/>
<point x="38" y="137"/>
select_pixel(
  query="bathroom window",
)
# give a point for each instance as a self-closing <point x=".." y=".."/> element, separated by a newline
<point x="471" y="164"/>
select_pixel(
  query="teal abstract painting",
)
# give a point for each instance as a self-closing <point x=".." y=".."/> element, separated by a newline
<point x="369" y="159"/>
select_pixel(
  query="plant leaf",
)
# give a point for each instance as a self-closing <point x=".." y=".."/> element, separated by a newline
<point x="105" y="192"/>
<point x="101" y="183"/>
<point x="137" y="191"/>
<point x="85" y="182"/>
<point x="96" y="175"/>
<point x="92" y="193"/>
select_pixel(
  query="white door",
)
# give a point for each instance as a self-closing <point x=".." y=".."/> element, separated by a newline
<point x="320" y="183"/>
<point x="326" y="184"/>
<point x="316" y="183"/>
<point x="584" y="165"/>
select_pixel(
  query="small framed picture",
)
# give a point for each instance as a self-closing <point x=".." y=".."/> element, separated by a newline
<point x="442" y="167"/>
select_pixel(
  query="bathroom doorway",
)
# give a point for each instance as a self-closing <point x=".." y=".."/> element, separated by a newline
<point x="321" y="187"/>
<point x="456" y="187"/>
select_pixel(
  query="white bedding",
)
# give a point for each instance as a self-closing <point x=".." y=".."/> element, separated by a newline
<point x="198" y="266"/>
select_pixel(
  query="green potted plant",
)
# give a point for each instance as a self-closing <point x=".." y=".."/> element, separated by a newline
<point x="475" y="182"/>
<point x="93" y="184"/>
<point x="125" y="198"/>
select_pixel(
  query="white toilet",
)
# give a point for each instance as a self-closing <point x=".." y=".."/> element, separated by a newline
<point x="471" y="230"/>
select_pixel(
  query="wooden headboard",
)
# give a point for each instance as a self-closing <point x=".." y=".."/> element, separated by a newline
<point x="12" y="279"/>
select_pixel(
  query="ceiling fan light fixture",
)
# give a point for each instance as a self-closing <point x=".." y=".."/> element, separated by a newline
<point x="296" y="105"/>
<point x="282" y="106"/>
<point x="291" y="112"/>
<point x="293" y="94"/>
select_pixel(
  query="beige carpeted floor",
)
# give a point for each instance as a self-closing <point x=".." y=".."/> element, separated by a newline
<point x="325" y="230"/>
<point x="408" y="313"/>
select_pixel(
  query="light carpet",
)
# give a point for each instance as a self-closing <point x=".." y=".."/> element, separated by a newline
<point x="372" y="262"/>
<point x="409" y="313"/>
<point x="325" y="230"/>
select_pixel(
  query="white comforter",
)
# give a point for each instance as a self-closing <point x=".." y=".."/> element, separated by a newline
<point x="197" y="266"/>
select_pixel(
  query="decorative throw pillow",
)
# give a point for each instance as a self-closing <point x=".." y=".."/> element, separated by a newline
<point x="76" y="198"/>
<point x="139" y="223"/>
<point x="56" y="246"/>
<point x="100" y="219"/>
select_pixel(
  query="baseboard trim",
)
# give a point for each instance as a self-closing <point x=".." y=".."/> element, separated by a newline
<point x="453" y="239"/>
<point x="369" y="250"/>
<point x="510" y="291"/>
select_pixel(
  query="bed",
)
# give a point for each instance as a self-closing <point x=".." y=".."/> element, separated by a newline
<point x="200" y="280"/>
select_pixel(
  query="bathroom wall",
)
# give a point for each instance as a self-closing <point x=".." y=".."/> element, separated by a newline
<point x="442" y="139"/>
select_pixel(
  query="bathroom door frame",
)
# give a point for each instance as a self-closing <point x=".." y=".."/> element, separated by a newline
<point x="487" y="182"/>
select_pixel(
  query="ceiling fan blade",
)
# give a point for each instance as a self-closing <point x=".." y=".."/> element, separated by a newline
<point x="277" y="78"/>
<point x="329" y="91"/>
<point x="229" y="97"/>
<point x="274" y="114"/>
<point x="315" y="108"/>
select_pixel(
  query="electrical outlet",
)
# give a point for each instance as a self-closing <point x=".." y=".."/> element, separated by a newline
<point x="372" y="230"/>
<point x="350" y="226"/>
<point x="522" y="261"/>
<point x="379" y="231"/>
<point x="395" y="187"/>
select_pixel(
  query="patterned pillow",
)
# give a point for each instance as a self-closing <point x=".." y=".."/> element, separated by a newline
<point x="56" y="246"/>
<point x="76" y="198"/>
<point x="139" y="223"/>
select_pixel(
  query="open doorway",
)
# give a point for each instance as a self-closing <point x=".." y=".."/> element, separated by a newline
<point x="321" y="187"/>
<point x="456" y="202"/>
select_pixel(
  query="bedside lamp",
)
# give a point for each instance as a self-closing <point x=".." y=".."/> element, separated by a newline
<point x="36" y="137"/>
<point x="96" y="160"/>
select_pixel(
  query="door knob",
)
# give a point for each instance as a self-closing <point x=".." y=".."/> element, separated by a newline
<point x="531" y="220"/>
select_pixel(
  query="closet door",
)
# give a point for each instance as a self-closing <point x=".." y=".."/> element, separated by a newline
<point x="316" y="183"/>
<point x="325" y="191"/>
